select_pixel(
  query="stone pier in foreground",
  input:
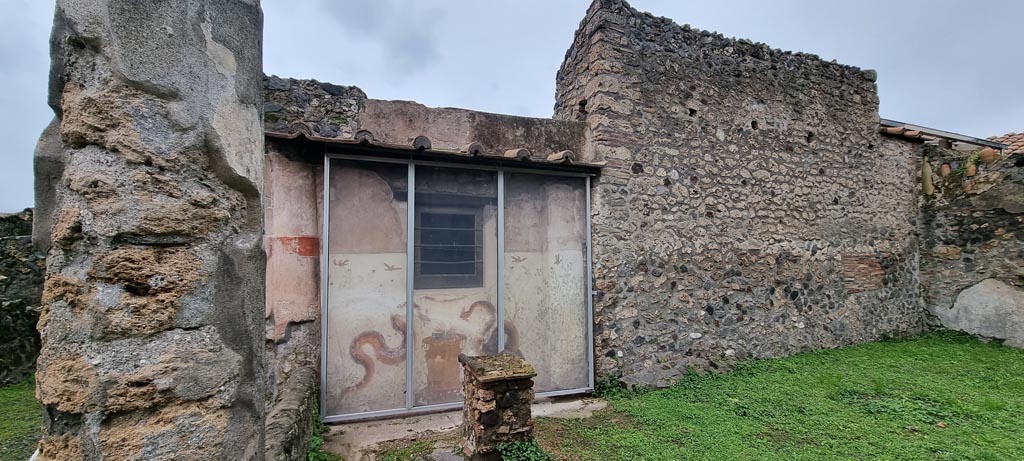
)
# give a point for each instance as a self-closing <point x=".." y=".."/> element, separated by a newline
<point x="148" y="204"/>
<point x="498" y="391"/>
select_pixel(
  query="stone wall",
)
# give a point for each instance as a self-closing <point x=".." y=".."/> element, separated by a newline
<point x="325" y="110"/>
<point x="749" y="208"/>
<point x="317" y="108"/>
<point x="293" y="204"/>
<point x="21" y="285"/>
<point x="972" y="229"/>
<point x="148" y="195"/>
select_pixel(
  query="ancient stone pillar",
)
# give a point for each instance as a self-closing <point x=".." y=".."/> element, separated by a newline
<point x="498" y="391"/>
<point x="148" y="193"/>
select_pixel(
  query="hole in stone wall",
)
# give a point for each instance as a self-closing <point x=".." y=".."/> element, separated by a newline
<point x="693" y="112"/>
<point x="136" y="288"/>
<point x="753" y="124"/>
<point x="810" y="137"/>
<point x="581" y="110"/>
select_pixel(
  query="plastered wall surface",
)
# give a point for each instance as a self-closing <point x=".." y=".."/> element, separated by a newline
<point x="545" y="285"/>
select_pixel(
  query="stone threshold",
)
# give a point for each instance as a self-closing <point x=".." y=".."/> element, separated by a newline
<point x="355" y="441"/>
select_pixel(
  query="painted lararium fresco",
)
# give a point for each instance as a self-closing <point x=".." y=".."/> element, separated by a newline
<point x="453" y="217"/>
<point x="233" y="259"/>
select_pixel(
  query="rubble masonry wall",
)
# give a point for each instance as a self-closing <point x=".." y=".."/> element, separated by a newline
<point x="749" y="208"/>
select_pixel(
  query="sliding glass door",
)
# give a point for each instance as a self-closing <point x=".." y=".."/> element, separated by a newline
<point x="545" y="272"/>
<point x="367" y="243"/>
<point x="455" y="291"/>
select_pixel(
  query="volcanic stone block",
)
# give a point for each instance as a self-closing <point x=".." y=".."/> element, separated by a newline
<point x="148" y="186"/>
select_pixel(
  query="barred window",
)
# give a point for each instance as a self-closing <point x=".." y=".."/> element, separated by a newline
<point x="449" y="247"/>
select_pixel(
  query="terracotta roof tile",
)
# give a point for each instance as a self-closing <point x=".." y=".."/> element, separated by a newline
<point x="1014" y="140"/>
<point x="422" y="144"/>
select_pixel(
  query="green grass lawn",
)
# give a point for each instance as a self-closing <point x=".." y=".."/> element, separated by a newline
<point x="19" y="421"/>
<point x="943" y="396"/>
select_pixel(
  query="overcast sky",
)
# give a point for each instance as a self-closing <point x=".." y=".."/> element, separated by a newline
<point x="957" y="66"/>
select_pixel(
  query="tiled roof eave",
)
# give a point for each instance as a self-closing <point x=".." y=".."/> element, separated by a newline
<point x="920" y="133"/>
<point x="422" y="145"/>
<point x="1014" y="141"/>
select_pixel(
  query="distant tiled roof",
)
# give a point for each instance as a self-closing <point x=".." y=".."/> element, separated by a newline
<point x="1014" y="140"/>
<point x="917" y="132"/>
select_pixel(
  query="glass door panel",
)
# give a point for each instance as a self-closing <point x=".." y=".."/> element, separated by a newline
<point x="455" y="288"/>
<point x="545" y="277"/>
<point x="366" y="287"/>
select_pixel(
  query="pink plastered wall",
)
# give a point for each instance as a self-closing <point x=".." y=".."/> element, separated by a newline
<point x="292" y="210"/>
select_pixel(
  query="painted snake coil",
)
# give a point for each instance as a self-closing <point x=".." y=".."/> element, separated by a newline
<point x="383" y="353"/>
<point x="490" y="344"/>
<point x="395" y="355"/>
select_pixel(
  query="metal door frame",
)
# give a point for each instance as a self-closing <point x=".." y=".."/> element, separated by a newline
<point x="410" y="408"/>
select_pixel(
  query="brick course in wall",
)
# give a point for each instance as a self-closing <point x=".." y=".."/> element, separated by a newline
<point x="862" y="272"/>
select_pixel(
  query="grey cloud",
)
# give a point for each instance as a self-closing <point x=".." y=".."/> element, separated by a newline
<point x="408" y="41"/>
<point x="947" y="64"/>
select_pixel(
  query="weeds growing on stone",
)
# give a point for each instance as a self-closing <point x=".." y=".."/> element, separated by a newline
<point x="316" y="452"/>
<point x="413" y="452"/>
<point x="523" y="451"/>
